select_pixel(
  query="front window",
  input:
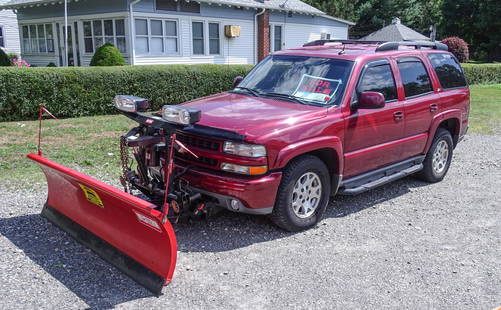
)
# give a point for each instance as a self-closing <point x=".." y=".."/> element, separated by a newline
<point x="308" y="80"/>
<point x="38" y="39"/>
<point x="99" y="32"/>
<point x="156" y="37"/>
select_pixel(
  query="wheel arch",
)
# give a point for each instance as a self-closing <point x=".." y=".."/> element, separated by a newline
<point x="327" y="149"/>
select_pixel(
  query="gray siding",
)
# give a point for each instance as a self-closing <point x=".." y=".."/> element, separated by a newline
<point x="8" y="23"/>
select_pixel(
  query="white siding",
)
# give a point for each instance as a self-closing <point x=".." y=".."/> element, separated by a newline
<point x="8" y="21"/>
<point x="40" y="60"/>
<point x="238" y="50"/>
<point x="297" y="34"/>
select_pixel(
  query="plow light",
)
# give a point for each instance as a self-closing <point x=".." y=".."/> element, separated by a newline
<point x="131" y="103"/>
<point x="180" y="115"/>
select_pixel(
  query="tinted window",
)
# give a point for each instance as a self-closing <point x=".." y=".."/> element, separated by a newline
<point x="414" y="77"/>
<point x="379" y="79"/>
<point x="448" y="70"/>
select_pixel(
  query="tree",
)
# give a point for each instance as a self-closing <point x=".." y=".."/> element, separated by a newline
<point x="4" y="59"/>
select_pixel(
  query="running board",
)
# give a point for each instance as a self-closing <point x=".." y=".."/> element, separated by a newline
<point x="362" y="183"/>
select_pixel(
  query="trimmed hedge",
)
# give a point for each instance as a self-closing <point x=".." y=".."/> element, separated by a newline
<point x="482" y="73"/>
<point x="73" y="92"/>
<point x="107" y="55"/>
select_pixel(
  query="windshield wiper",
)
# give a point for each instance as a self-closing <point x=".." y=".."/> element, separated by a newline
<point x="250" y="90"/>
<point x="285" y="96"/>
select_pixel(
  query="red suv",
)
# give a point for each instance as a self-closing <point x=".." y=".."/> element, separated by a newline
<point x="332" y="117"/>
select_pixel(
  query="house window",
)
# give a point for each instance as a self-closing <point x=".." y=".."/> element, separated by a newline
<point x="38" y="39"/>
<point x="98" y="32"/>
<point x="2" y="40"/>
<point x="277" y="38"/>
<point x="214" y="40"/>
<point x="198" y="38"/>
<point x="156" y="36"/>
<point x="178" y="6"/>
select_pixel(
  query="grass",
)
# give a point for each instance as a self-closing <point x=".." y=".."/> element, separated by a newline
<point x="91" y="144"/>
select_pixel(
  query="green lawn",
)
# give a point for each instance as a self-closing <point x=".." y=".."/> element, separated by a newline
<point x="90" y="144"/>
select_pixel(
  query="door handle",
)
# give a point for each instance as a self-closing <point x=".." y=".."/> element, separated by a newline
<point x="398" y="116"/>
<point x="433" y="107"/>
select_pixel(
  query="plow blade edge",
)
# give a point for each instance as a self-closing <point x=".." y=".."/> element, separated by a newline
<point x="124" y="230"/>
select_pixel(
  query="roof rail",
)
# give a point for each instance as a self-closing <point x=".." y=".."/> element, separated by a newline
<point x="392" y="46"/>
<point x="323" y="42"/>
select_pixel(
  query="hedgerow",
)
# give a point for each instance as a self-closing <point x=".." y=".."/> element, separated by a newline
<point x="85" y="91"/>
<point x="482" y="73"/>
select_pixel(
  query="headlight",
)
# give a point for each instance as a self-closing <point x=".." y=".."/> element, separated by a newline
<point x="249" y="170"/>
<point x="247" y="150"/>
<point x="180" y="115"/>
<point x="131" y="103"/>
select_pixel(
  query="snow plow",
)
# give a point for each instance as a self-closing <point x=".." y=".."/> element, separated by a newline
<point x="130" y="228"/>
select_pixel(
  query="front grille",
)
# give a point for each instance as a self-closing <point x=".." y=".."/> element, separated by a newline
<point x="199" y="142"/>
<point x="201" y="159"/>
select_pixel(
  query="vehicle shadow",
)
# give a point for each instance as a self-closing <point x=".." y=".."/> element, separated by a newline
<point x="98" y="284"/>
<point x="102" y="286"/>
<point x="227" y="230"/>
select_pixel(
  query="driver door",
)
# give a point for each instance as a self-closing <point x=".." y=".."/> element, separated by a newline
<point x="371" y="135"/>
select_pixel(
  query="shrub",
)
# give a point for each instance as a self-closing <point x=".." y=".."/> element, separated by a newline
<point x="458" y="47"/>
<point x="51" y="64"/>
<point x="85" y="91"/>
<point x="12" y="56"/>
<point x="17" y="62"/>
<point x="107" y="55"/>
<point x="482" y="73"/>
<point x="4" y="59"/>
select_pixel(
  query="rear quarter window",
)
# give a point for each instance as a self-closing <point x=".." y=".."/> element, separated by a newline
<point x="448" y="70"/>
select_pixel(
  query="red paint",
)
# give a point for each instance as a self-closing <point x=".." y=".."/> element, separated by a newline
<point x="118" y="222"/>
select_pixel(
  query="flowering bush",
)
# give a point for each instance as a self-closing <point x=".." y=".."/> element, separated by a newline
<point x="458" y="47"/>
<point x="16" y="62"/>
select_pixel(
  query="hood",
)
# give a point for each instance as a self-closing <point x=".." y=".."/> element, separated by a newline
<point x="252" y="116"/>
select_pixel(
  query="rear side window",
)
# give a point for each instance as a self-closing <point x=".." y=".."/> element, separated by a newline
<point x="379" y="79"/>
<point x="448" y="70"/>
<point x="414" y="77"/>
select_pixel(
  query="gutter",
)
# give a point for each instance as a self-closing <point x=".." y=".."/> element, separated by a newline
<point x="255" y="33"/>
<point x="132" y="32"/>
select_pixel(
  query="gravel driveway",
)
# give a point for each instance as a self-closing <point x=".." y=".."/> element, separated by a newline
<point x="407" y="245"/>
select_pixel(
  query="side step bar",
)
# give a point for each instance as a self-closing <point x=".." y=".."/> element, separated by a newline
<point x="367" y="181"/>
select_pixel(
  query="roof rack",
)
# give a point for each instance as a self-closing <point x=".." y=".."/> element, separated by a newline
<point x="323" y="42"/>
<point x="392" y="46"/>
<point x="384" y="46"/>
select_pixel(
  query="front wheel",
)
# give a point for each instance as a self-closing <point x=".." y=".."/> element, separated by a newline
<point x="303" y="194"/>
<point x="438" y="159"/>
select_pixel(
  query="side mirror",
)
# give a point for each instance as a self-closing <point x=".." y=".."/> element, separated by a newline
<point x="237" y="81"/>
<point x="370" y="100"/>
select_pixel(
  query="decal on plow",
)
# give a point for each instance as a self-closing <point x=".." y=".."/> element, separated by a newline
<point x="92" y="196"/>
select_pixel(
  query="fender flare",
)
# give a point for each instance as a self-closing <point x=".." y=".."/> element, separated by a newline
<point x="309" y="145"/>
<point x="437" y="120"/>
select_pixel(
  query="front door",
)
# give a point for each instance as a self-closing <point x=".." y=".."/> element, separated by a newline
<point x="371" y="135"/>
<point x="72" y="46"/>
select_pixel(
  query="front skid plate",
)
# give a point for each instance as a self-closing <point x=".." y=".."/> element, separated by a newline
<point x="109" y="253"/>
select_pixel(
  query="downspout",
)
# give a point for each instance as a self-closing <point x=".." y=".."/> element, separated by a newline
<point x="132" y="32"/>
<point x="255" y="33"/>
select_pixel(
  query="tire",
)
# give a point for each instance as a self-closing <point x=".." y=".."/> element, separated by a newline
<point x="431" y="172"/>
<point x="293" y="211"/>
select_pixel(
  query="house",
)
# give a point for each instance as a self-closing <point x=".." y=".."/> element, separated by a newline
<point x="395" y="32"/>
<point x="9" y="33"/>
<point x="169" y="31"/>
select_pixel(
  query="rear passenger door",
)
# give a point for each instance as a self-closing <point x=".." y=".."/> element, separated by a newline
<point x="371" y="134"/>
<point x="420" y="104"/>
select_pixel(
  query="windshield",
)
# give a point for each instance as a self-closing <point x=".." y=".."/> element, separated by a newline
<point x="310" y="80"/>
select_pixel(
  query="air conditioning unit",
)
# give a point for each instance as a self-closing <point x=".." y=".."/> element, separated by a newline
<point x="231" y="31"/>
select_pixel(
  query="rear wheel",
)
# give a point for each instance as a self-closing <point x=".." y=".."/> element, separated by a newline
<point x="438" y="159"/>
<point x="303" y="194"/>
